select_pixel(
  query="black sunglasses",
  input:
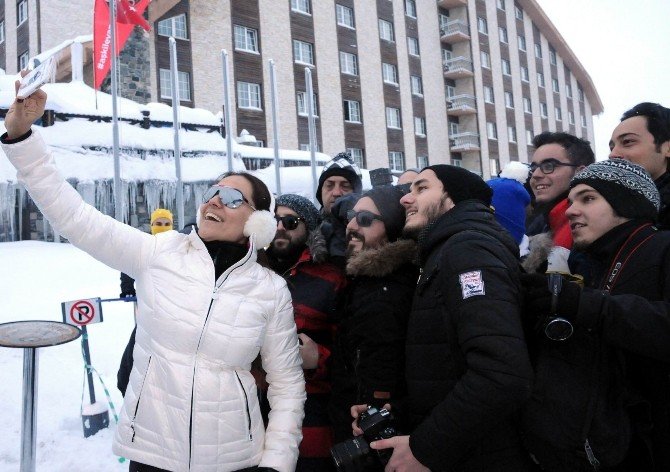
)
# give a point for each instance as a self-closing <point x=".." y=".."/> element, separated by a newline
<point x="289" y="221"/>
<point x="548" y="166"/>
<point x="229" y="196"/>
<point x="364" y="218"/>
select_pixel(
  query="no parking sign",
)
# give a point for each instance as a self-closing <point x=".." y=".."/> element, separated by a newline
<point x="82" y="312"/>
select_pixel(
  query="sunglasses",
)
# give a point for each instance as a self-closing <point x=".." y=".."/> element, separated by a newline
<point x="289" y="221"/>
<point x="229" y="196"/>
<point x="364" y="218"/>
<point x="548" y="166"/>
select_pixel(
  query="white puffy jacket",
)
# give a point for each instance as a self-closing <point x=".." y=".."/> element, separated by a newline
<point x="191" y="403"/>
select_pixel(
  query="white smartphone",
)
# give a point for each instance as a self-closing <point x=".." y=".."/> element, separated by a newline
<point x="40" y="75"/>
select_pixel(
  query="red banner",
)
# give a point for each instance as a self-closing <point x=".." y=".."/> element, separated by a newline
<point x="128" y="14"/>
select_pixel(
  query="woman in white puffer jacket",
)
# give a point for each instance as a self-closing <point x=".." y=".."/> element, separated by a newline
<point x="206" y="309"/>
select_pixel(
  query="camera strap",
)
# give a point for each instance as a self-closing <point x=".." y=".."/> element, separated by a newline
<point x="636" y="240"/>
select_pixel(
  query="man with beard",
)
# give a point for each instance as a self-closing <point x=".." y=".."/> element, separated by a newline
<point x="298" y="253"/>
<point x="368" y="361"/>
<point x="467" y="368"/>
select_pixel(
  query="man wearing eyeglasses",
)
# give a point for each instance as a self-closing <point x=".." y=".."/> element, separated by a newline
<point x="298" y="253"/>
<point x="557" y="157"/>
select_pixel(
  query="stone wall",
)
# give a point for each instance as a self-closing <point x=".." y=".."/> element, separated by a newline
<point x="134" y="69"/>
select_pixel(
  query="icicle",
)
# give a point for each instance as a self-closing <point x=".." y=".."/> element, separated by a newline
<point x="7" y="210"/>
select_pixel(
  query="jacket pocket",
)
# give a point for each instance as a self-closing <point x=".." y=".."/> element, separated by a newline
<point x="245" y="399"/>
<point x="139" y="398"/>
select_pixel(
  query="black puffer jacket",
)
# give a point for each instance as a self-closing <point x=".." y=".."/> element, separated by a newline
<point x="468" y="370"/>
<point x="663" y="186"/>
<point x="369" y="354"/>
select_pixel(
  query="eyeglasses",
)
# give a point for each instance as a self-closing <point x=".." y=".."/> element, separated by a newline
<point x="229" y="196"/>
<point x="289" y="221"/>
<point x="364" y="218"/>
<point x="548" y="166"/>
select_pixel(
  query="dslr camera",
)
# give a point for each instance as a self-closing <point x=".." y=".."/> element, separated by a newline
<point x="355" y="454"/>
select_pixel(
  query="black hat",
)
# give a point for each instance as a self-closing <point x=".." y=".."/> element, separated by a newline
<point x="387" y="200"/>
<point x="341" y="165"/>
<point x="303" y="207"/>
<point x="627" y="187"/>
<point x="461" y="184"/>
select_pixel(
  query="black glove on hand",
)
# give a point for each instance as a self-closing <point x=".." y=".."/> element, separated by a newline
<point x="127" y="294"/>
<point x="537" y="297"/>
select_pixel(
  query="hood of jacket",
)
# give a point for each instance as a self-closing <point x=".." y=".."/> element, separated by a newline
<point x="468" y="215"/>
<point x="384" y="260"/>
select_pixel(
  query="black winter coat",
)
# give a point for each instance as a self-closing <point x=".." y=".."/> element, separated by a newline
<point x="468" y="371"/>
<point x="663" y="186"/>
<point x="369" y="353"/>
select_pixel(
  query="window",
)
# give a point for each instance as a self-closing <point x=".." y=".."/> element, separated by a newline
<point x="485" y="59"/>
<point x="488" y="94"/>
<point x="306" y="147"/>
<point x="583" y="121"/>
<point x="348" y="63"/>
<point x="390" y="73"/>
<point x="494" y="167"/>
<point x="501" y="4"/>
<point x="457" y="162"/>
<point x="386" y="30"/>
<point x="580" y="93"/>
<point x="524" y="74"/>
<point x="540" y="79"/>
<point x="571" y="118"/>
<point x="554" y="85"/>
<point x="2" y="32"/>
<point x="413" y="46"/>
<point x="175" y="26"/>
<point x="21" y="12"/>
<point x="249" y="95"/>
<point x="518" y="12"/>
<point x="396" y="161"/>
<point x="453" y="128"/>
<point x="568" y="90"/>
<point x="521" y="41"/>
<point x="345" y="16"/>
<point x="558" y="114"/>
<point x="357" y="155"/>
<point x="410" y="8"/>
<point x="301" y="6"/>
<point x="444" y="19"/>
<point x="422" y="161"/>
<point x="552" y="55"/>
<point x="393" y="118"/>
<point x="419" y="126"/>
<point x="538" y="50"/>
<point x="417" y="85"/>
<point x="352" y="111"/>
<point x="303" y="52"/>
<point x="451" y="91"/>
<point x="527" y="108"/>
<point x="509" y="100"/>
<point x="502" y="34"/>
<point x="491" y="130"/>
<point x="543" y="109"/>
<point x="529" y="137"/>
<point x="482" y="27"/>
<point x="301" y="100"/>
<point x="23" y="61"/>
<point x="506" y="67"/>
<point x="446" y="55"/>
<point x="246" y="39"/>
<point x="183" y="80"/>
<point x="511" y="134"/>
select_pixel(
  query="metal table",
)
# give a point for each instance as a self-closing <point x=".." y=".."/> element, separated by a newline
<point x="30" y="335"/>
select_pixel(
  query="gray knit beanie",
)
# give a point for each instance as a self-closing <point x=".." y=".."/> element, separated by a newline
<point x="303" y="207"/>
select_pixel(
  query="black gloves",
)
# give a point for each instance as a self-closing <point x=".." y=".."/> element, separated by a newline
<point x="127" y="294"/>
<point x="537" y="297"/>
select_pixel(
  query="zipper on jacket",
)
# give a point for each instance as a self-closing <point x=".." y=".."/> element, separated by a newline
<point x="595" y="463"/>
<point x="139" y="397"/>
<point x="246" y="406"/>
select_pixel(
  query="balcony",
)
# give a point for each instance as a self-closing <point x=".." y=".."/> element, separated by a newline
<point x="458" y="68"/>
<point x="464" y="142"/>
<point x="451" y="3"/>
<point x="454" y="32"/>
<point x="461" y="105"/>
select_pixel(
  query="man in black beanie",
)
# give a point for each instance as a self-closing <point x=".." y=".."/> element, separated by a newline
<point x="602" y="395"/>
<point x="368" y="361"/>
<point x="467" y="367"/>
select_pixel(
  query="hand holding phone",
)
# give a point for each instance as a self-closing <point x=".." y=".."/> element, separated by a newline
<point x="34" y="79"/>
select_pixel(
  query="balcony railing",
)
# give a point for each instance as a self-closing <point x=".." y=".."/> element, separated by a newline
<point x="458" y="67"/>
<point x="461" y="105"/>
<point x="464" y="142"/>
<point x="455" y="31"/>
<point x="452" y="3"/>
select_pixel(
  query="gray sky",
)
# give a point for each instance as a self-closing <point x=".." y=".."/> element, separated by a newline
<point x="625" y="48"/>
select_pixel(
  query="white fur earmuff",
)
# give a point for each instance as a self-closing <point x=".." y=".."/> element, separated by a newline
<point x="262" y="226"/>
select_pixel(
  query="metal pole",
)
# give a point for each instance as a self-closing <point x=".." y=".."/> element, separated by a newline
<point x="226" y="110"/>
<point x="87" y="359"/>
<point x="275" y="125"/>
<point x="29" y="413"/>
<point x="176" y="125"/>
<point x="118" y="201"/>
<point x="312" y="126"/>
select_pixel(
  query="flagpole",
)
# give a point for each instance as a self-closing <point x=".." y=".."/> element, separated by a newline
<point x="275" y="126"/>
<point x="226" y="110"/>
<point x="118" y="201"/>
<point x="176" y="124"/>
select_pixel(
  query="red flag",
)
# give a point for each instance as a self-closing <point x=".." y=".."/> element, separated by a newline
<point x="127" y="16"/>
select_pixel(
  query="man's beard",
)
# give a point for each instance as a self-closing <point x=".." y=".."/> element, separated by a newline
<point x="432" y="213"/>
<point x="350" y="251"/>
<point x="291" y="251"/>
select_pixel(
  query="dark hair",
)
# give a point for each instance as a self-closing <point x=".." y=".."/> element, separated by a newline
<point x="579" y="150"/>
<point x="658" y="120"/>
<point x="259" y="191"/>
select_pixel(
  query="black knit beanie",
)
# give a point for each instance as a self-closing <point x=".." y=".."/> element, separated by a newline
<point x="303" y="207"/>
<point x="627" y="187"/>
<point x="461" y="184"/>
<point x="387" y="200"/>
<point x="343" y="166"/>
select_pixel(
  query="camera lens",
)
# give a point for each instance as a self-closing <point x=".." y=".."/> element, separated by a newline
<point x="350" y="455"/>
<point x="558" y="329"/>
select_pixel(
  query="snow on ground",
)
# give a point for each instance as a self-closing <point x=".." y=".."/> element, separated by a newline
<point x="36" y="277"/>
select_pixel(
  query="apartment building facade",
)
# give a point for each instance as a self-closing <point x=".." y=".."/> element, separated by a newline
<point x="397" y="83"/>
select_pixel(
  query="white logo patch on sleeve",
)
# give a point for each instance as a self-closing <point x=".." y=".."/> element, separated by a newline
<point x="472" y="284"/>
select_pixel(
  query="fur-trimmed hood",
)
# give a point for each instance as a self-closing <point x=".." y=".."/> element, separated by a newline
<point x="540" y="246"/>
<point x="316" y="243"/>
<point x="384" y="260"/>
